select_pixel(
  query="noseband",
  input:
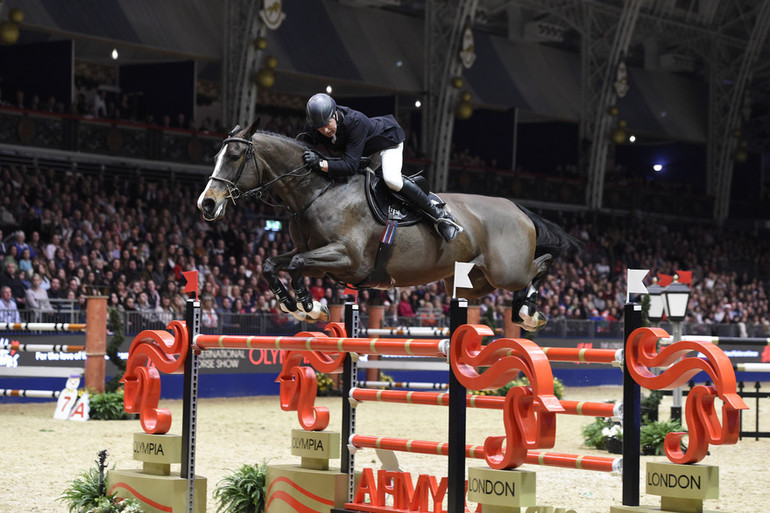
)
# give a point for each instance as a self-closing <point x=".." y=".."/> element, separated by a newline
<point x="233" y="191"/>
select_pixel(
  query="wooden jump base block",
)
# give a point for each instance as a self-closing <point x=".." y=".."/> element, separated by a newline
<point x="156" y="486"/>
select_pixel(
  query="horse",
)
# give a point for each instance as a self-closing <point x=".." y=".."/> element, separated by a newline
<point x="335" y="233"/>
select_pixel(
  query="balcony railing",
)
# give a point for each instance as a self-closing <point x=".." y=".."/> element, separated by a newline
<point x="107" y="137"/>
<point x="170" y="145"/>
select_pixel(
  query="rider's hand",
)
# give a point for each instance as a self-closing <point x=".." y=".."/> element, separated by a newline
<point x="312" y="159"/>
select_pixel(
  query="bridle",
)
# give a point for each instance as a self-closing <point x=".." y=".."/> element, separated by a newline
<point x="234" y="192"/>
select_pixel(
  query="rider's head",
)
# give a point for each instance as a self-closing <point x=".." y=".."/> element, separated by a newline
<point x="320" y="112"/>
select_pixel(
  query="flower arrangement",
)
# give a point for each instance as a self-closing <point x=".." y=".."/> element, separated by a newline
<point x="325" y="384"/>
<point x="613" y="431"/>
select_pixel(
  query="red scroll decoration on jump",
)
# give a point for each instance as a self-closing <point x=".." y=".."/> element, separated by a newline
<point x="700" y="414"/>
<point x="298" y="384"/>
<point x="157" y="349"/>
<point x="529" y="412"/>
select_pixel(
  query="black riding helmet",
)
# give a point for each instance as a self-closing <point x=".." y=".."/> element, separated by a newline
<point x="320" y="109"/>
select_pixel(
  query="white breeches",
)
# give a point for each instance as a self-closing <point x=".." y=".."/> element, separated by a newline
<point x="392" y="161"/>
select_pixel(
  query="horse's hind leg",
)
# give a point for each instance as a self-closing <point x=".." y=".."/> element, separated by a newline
<point x="524" y="305"/>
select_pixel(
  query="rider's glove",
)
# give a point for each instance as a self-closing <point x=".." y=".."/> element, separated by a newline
<point x="312" y="159"/>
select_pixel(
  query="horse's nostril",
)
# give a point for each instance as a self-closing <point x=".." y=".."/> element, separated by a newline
<point x="208" y="205"/>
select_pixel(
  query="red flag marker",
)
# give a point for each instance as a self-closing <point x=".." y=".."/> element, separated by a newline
<point x="351" y="292"/>
<point x="192" y="282"/>
<point x="685" y="277"/>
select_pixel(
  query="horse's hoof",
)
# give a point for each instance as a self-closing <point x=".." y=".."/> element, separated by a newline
<point x="534" y="323"/>
<point x="539" y="322"/>
<point x="323" y="314"/>
<point x="301" y="316"/>
<point x="320" y="312"/>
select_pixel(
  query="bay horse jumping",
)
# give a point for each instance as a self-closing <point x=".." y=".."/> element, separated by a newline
<point x="335" y="233"/>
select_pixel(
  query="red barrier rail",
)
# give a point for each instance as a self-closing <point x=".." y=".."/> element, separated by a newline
<point x="587" y="355"/>
<point x="548" y="459"/>
<point x="592" y="409"/>
<point x="389" y="346"/>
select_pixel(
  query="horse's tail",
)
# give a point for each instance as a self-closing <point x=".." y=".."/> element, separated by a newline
<point x="551" y="238"/>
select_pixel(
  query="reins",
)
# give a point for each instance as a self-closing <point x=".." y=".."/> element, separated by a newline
<point x="234" y="192"/>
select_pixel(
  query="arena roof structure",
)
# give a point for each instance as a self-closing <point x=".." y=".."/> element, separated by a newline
<point x="696" y="69"/>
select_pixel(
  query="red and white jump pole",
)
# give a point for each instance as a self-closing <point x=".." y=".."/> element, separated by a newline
<point x="95" y="345"/>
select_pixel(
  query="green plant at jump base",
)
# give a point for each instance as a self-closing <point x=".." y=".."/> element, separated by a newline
<point x="597" y="433"/>
<point x="649" y="406"/>
<point x="108" y="406"/>
<point x="653" y="433"/>
<point x="243" y="491"/>
<point x="86" y="493"/>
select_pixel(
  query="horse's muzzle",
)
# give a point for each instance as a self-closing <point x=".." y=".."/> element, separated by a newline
<point x="209" y="209"/>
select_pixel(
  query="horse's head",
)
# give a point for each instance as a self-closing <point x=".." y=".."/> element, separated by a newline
<point x="241" y="170"/>
<point x="236" y="172"/>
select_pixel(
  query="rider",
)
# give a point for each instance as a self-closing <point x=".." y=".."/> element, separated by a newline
<point x="352" y="135"/>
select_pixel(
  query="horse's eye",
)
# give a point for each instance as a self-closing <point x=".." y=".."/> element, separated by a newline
<point x="233" y="157"/>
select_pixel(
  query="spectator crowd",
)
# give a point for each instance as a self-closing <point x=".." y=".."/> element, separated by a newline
<point x="67" y="235"/>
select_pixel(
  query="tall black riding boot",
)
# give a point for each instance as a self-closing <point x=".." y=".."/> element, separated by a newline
<point x="444" y="222"/>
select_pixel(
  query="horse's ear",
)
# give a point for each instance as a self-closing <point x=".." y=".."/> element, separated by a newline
<point x="234" y="131"/>
<point x="253" y="127"/>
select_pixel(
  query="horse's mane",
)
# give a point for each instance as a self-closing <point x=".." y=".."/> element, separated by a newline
<point x="283" y="138"/>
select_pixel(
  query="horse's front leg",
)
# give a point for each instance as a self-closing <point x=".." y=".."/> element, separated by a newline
<point x="305" y="303"/>
<point x="270" y="269"/>
<point x="319" y="262"/>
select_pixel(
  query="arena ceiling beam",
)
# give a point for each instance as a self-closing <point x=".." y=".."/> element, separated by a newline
<point x="241" y="60"/>
<point x="444" y="26"/>
<point x="730" y="76"/>
<point x="599" y="92"/>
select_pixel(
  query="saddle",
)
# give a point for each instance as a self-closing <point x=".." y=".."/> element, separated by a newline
<point x="391" y="210"/>
<point x="386" y="204"/>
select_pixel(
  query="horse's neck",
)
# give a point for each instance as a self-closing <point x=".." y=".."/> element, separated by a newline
<point x="297" y="192"/>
